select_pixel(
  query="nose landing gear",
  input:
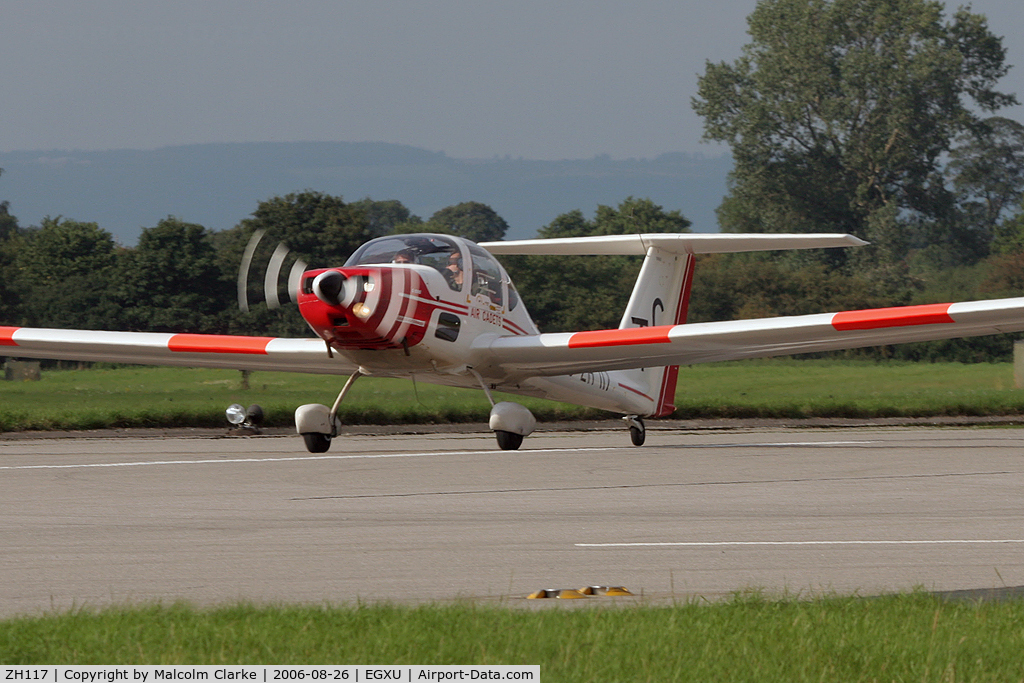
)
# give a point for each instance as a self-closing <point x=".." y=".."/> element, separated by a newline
<point x="318" y="424"/>
<point x="317" y="443"/>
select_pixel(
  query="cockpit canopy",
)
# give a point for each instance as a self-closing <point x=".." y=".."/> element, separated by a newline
<point x="461" y="262"/>
<point x="431" y="250"/>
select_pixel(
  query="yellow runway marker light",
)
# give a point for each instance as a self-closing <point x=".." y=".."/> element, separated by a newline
<point x="562" y="593"/>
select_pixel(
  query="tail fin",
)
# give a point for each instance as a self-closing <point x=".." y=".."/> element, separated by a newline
<point x="661" y="296"/>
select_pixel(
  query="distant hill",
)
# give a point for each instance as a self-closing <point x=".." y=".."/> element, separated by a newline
<point x="217" y="185"/>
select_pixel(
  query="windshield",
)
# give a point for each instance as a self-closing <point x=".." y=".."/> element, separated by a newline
<point x="486" y="275"/>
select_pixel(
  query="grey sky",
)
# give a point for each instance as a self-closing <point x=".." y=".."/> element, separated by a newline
<point x="542" y="79"/>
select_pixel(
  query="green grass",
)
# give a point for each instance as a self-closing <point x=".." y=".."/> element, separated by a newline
<point x="914" y="637"/>
<point x="157" y="397"/>
<point x="813" y="388"/>
<point x="154" y="397"/>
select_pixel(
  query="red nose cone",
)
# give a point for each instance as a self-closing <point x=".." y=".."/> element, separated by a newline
<point x="366" y="307"/>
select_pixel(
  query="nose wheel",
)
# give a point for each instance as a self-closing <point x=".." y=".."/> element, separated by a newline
<point x="317" y="443"/>
<point x="637" y="430"/>
<point x="318" y="424"/>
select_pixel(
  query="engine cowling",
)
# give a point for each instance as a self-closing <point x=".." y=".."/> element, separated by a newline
<point x="366" y="307"/>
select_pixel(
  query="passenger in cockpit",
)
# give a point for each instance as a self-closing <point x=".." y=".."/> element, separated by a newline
<point x="453" y="272"/>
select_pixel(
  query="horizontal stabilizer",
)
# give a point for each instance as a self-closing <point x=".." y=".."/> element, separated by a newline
<point x="675" y="243"/>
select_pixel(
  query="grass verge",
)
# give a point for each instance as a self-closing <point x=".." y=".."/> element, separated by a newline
<point x="172" y="397"/>
<point x="902" y="637"/>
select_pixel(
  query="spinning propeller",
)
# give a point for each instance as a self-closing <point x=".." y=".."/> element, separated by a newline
<point x="271" y="278"/>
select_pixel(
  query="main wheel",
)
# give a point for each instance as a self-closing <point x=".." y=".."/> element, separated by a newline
<point x="317" y="442"/>
<point x="638" y="434"/>
<point x="508" y="441"/>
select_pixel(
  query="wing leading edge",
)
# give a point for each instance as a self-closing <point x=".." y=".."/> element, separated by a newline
<point x="570" y="353"/>
<point x="674" y="243"/>
<point x="187" y="350"/>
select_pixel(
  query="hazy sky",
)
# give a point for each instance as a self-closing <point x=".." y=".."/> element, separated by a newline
<point x="542" y="79"/>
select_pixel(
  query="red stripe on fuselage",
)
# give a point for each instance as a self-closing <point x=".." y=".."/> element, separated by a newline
<point x="7" y="336"/>
<point x="218" y="343"/>
<point x="623" y="337"/>
<point x="513" y="328"/>
<point x="902" y="316"/>
<point x="635" y="391"/>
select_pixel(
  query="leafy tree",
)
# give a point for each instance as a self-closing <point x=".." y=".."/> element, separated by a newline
<point x="387" y="216"/>
<point x="740" y="286"/>
<point x="588" y="292"/>
<point x="172" y="281"/>
<point x="838" y="109"/>
<point x="321" y="227"/>
<point x="1009" y="235"/>
<point x="472" y="220"/>
<point x="637" y="216"/>
<point x="66" y="276"/>
<point x="987" y="173"/>
<point x="9" y="239"/>
<point x="8" y="223"/>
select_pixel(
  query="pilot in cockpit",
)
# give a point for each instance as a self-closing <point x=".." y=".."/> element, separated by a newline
<point x="405" y="256"/>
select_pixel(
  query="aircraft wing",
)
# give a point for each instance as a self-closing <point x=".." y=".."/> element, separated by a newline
<point x="601" y="350"/>
<point x="188" y="350"/>
<point x="676" y="243"/>
<point x="547" y="354"/>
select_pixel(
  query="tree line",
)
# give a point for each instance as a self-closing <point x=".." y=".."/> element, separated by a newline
<point x="873" y="117"/>
<point x="182" y="276"/>
<point x="877" y="118"/>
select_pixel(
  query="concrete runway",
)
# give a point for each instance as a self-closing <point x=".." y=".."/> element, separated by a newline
<point x="94" y="521"/>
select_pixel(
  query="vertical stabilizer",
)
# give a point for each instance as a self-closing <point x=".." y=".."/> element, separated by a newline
<point x="661" y="296"/>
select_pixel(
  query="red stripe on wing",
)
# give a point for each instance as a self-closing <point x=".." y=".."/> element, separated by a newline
<point x="7" y="336"/>
<point x="623" y="337"/>
<point x="902" y="316"/>
<point x="218" y="343"/>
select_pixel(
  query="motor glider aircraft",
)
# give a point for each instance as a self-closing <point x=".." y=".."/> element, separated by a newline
<point x="442" y="309"/>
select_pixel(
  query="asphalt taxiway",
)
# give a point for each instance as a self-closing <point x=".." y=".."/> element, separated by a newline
<point x="95" y="520"/>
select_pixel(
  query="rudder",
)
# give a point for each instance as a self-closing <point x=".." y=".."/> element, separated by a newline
<point x="661" y="296"/>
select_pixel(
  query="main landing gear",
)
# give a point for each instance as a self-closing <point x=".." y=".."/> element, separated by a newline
<point x="637" y="430"/>
<point x="510" y="421"/>
<point x="508" y="441"/>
